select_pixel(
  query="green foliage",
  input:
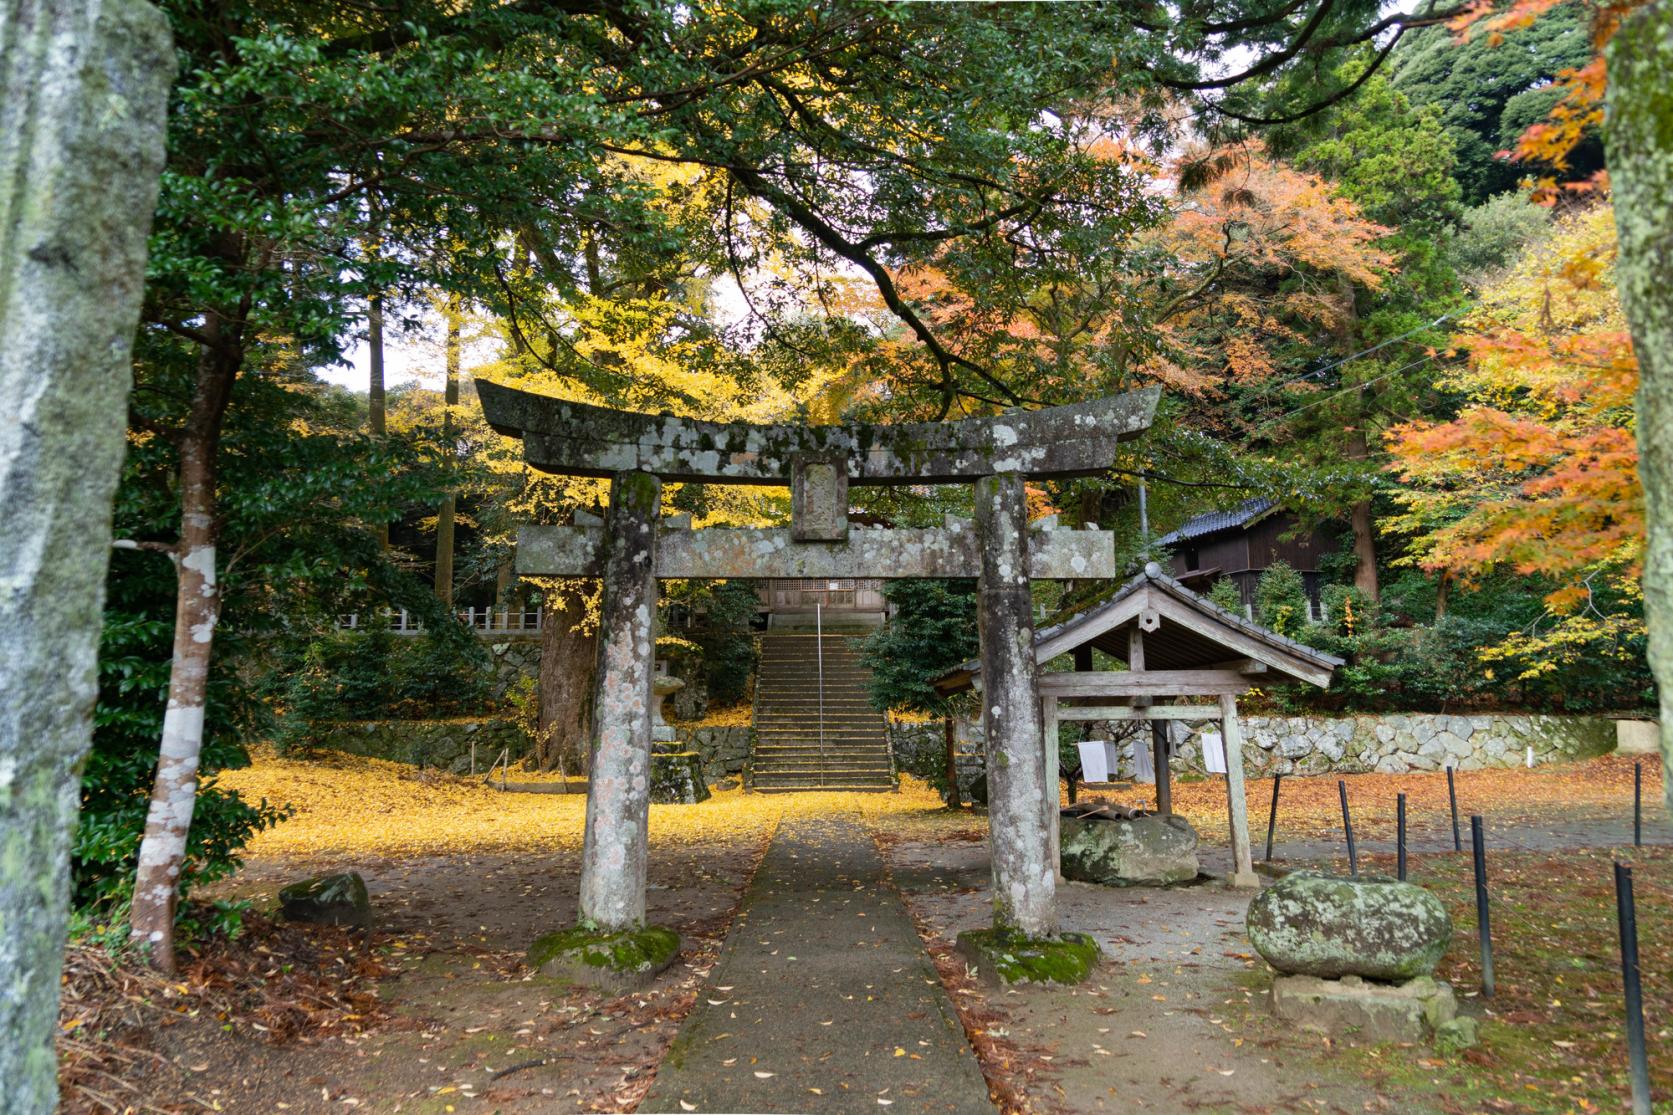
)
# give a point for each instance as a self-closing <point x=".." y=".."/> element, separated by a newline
<point x="1281" y="599"/>
<point x="378" y="675"/>
<point x="296" y="494"/>
<point x="1487" y="92"/>
<point x="1496" y="232"/>
<point x="1227" y="595"/>
<point x="127" y="723"/>
<point x="727" y="640"/>
<point x="933" y="629"/>
<point x="1400" y="657"/>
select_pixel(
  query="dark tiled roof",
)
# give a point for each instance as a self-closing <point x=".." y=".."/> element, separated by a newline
<point x="1087" y="619"/>
<point x="1215" y="521"/>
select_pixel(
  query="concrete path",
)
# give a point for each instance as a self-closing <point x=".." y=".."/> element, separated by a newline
<point x="823" y="999"/>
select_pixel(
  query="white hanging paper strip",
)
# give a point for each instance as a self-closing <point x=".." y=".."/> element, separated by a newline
<point x="1144" y="762"/>
<point x="1213" y="753"/>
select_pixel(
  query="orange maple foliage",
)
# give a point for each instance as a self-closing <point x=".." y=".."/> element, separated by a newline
<point x="1579" y="110"/>
<point x="1264" y="256"/>
<point x="1538" y="473"/>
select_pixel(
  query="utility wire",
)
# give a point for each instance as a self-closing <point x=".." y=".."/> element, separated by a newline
<point x="1341" y="391"/>
<point x="1271" y="387"/>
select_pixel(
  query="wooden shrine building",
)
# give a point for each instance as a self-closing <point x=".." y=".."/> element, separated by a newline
<point x="1186" y="659"/>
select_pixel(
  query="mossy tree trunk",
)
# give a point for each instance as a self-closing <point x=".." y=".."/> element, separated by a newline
<point x="81" y="146"/>
<point x="1639" y="142"/>
<point x="568" y="665"/>
<point x="445" y="513"/>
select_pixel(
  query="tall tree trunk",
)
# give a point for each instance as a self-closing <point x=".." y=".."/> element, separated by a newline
<point x="376" y="399"/>
<point x="1365" y="538"/>
<point x="568" y="666"/>
<point x="197" y="609"/>
<point x="444" y="514"/>
<point x="1639" y="142"/>
<point x="949" y="737"/>
<point x="81" y="145"/>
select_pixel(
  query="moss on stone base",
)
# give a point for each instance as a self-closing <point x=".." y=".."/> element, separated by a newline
<point x="624" y="958"/>
<point x="1012" y="957"/>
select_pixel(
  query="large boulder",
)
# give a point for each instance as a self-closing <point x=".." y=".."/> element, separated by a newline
<point x="1128" y="851"/>
<point x="1328" y="926"/>
<point x="336" y="899"/>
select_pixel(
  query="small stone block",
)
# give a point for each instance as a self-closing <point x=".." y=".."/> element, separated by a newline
<point x="1249" y="880"/>
<point x="1007" y="957"/>
<point x="618" y="961"/>
<point x="1364" y="1010"/>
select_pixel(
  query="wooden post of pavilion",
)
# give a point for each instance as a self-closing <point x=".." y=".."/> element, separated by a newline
<point x="1237" y="805"/>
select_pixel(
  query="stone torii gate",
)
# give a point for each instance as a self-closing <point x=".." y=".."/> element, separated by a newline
<point x="633" y="548"/>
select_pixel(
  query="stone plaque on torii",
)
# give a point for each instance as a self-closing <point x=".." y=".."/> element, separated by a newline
<point x="633" y="548"/>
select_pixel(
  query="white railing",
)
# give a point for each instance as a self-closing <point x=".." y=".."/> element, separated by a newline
<point x="489" y="621"/>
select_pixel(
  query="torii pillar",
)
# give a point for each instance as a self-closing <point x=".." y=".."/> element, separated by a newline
<point x="614" y="854"/>
<point x="1019" y="827"/>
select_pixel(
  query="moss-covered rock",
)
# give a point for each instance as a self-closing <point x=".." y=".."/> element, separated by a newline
<point x="1328" y="926"/>
<point x="1128" y="851"/>
<point x="336" y="899"/>
<point x="598" y="958"/>
<point x="1010" y="957"/>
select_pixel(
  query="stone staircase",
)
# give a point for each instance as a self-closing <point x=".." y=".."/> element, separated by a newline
<point x="790" y="751"/>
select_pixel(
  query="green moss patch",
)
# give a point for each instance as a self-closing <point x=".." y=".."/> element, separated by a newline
<point x="1012" y="957"/>
<point x="624" y="958"/>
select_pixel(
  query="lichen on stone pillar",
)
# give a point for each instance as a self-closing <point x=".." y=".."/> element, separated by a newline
<point x="613" y="857"/>
<point x="1024" y="878"/>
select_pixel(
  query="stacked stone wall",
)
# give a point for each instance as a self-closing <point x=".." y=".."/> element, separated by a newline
<point x="514" y="657"/>
<point x="1399" y="742"/>
<point x="1388" y="743"/>
<point x="725" y="750"/>
<point x="437" y="744"/>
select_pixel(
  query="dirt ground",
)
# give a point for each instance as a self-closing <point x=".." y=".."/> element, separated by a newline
<point x="462" y="883"/>
<point x="1169" y="1023"/>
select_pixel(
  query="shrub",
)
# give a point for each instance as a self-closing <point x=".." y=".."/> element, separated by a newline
<point x="1281" y="599"/>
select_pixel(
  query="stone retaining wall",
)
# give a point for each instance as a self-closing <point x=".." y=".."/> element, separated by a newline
<point x="444" y="744"/>
<point x="1386" y="743"/>
<point x="1398" y="742"/>
<point x="920" y="749"/>
<point x="514" y="657"/>
<point x="725" y="751"/>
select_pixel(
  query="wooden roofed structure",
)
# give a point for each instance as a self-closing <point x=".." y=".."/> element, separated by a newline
<point x="1176" y="645"/>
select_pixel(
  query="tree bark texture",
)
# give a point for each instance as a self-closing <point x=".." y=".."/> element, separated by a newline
<point x="444" y="514"/>
<point x="619" y="789"/>
<point x="1364" y="532"/>
<point x="949" y="738"/>
<point x="1024" y="882"/>
<point x="568" y="670"/>
<point x="197" y="609"/>
<point x="81" y="145"/>
<point x="1639" y="141"/>
<point x="377" y="405"/>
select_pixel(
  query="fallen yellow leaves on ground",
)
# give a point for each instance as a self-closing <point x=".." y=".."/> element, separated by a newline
<point x="349" y="803"/>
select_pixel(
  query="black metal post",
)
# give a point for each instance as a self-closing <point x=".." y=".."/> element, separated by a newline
<point x="1272" y="819"/>
<point x="1348" y="827"/>
<point x="1637" y="1061"/>
<point x="1452" y="792"/>
<point x="1400" y="837"/>
<point x="1637" y="806"/>
<point x="1479" y="846"/>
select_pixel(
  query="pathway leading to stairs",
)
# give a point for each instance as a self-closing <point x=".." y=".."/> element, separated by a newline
<point x="823" y="998"/>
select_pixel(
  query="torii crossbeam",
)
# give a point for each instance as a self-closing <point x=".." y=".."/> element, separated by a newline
<point x="632" y="549"/>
